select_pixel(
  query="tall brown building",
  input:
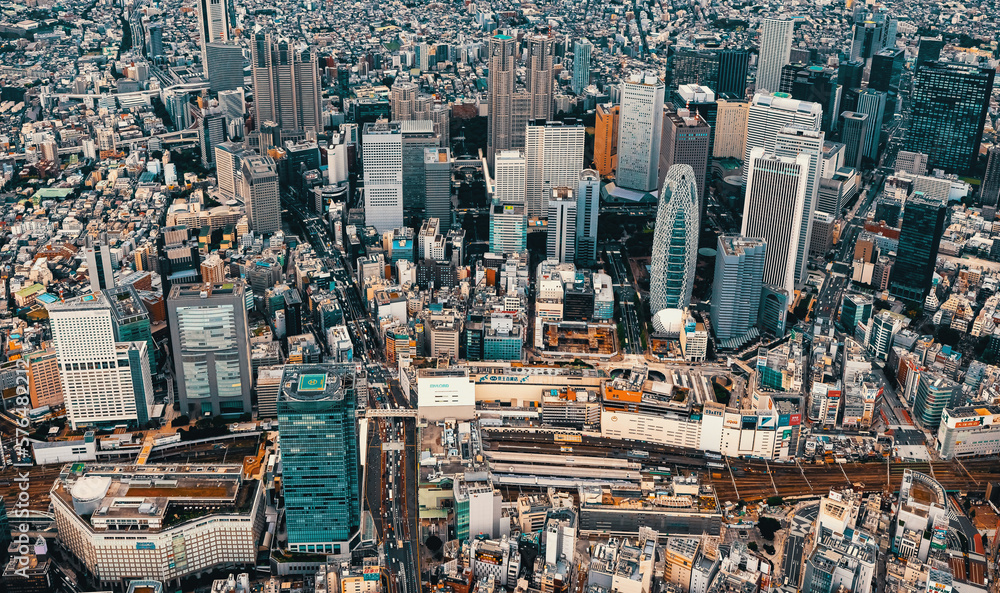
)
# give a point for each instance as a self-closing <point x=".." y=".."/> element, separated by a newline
<point x="44" y="384"/>
<point x="502" y="64"/>
<point x="606" y="139"/>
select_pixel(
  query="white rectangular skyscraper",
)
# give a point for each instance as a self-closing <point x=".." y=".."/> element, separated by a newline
<point x="261" y="193"/>
<point x="582" y="51"/>
<point x="769" y="113"/>
<point x="773" y="211"/>
<point x="382" y="150"/>
<point x="736" y="290"/>
<point x="562" y="226"/>
<point x="553" y="158"/>
<point x="792" y="141"/>
<point x="775" y="50"/>
<point x="639" y="130"/>
<point x="100" y="385"/>
<point x="508" y="178"/>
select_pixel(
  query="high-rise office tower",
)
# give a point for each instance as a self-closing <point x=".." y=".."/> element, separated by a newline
<point x="733" y="67"/>
<point x="872" y="103"/>
<point x="503" y="66"/>
<point x="105" y="382"/>
<point x="100" y="268"/>
<point x="561" y="229"/>
<point x="553" y="157"/>
<point x="700" y="100"/>
<point x="724" y="70"/>
<point x="768" y="114"/>
<point x="213" y="133"/>
<point x="948" y="111"/>
<point x="989" y="194"/>
<point x="130" y="319"/>
<point x="919" y="239"/>
<point x="540" y="81"/>
<point x="224" y="66"/>
<point x="508" y="228"/>
<point x="508" y="181"/>
<point x="286" y="84"/>
<point x="214" y="19"/>
<point x="606" y="138"/>
<point x="437" y="185"/>
<point x="868" y="39"/>
<point x="816" y="85"/>
<point x="582" y="51"/>
<point x="155" y="49"/>
<point x="886" y="74"/>
<point x="736" y="290"/>
<point x="675" y="241"/>
<point x="441" y="116"/>
<point x="319" y="457"/>
<point x="403" y="98"/>
<point x="382" y="150"/>
<point x="853" y="126"/>
<point x="233" y="104"/>
<point x="928" y="50"/>
<point x="229" y="167"/>
<point x="520" y="115"/>
<point x="685" y="140"/>
<point x="418" y="135"/>
<point x="775" y="47"/>
<point x="211" y="346"/>
<point x="792" y="141"/>
<point x="423" y="56"/>
<point x="588" y="203"/>
<point x="261" y="193"/>
<point x="773" y="211"/>
<point x="730" y="133"/>
<point x="639" y="130"/>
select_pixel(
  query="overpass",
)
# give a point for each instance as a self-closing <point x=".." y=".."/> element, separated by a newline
<point x="388" y="413"/>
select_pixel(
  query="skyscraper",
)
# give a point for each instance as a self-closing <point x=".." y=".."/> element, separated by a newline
<point x="675" y="241"/>
<point x="852" y="133"/>
<point x="437" y="185"/>
<point x="211" y="346"/>
<point x="919" y="239"/>
<point x="382" y="150"/>
<point x="561" y="230"/>
<point x="989" y="194"/>
<point x="508" y="228"/>
<point x="130" y="319"/>
<point x="418" y="135"/>
<point x="582" y="51"/>
<point x="639" y="131"/>
<point x="775" y="48"/>
<point x="872" y="103"/>
<point x="508" y="179"/>
<point x="319" y="457"/>
<point x="736" y="289"/>
<point x="724" y="70"/>
<point x="869" y="38"/>
<point x="403" y="98"/>
<point x="792" y="141"/>
<point x="730" y="131"/>
<point x="100" y="269"/>
<point x="768" y="114"/>
<point x="553" y="158"/>
<point x="773" y="211"/>
<point x="213" y="133"/>
<point x="928" y="50"/>
<point x="105" y="382"/>
<point x="886" y="74"/>
<point x="685" y="140"/>
<point x="214" y="18"/>
<point x="229" y="167"/>
<point x="588" y="202"/>
<point x="224" y="66"/>
<point x="286" y="84"/>
<point x="949" y="106"/>
<point x="815" y="84"/>
<point x="540" y="81"/>
<point x="502" y="66"/>
<point x="261" y="193"/>
<point x="606" y="138"/>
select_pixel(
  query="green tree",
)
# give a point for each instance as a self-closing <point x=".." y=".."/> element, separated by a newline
<point x="752" y="546"/>
<point x="768" y="527"/>
<point x="775" y="501"/>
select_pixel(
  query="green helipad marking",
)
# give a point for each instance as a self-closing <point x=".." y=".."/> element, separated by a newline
<point x="312" y="382"/>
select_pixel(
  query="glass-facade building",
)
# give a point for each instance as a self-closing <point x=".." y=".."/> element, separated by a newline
<point x="319" y="457"/>
<point x="208" y="329"/>
<point x="919" y="239"/>
<point x="130" y="319"/>
<point x="948" y="112"/>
